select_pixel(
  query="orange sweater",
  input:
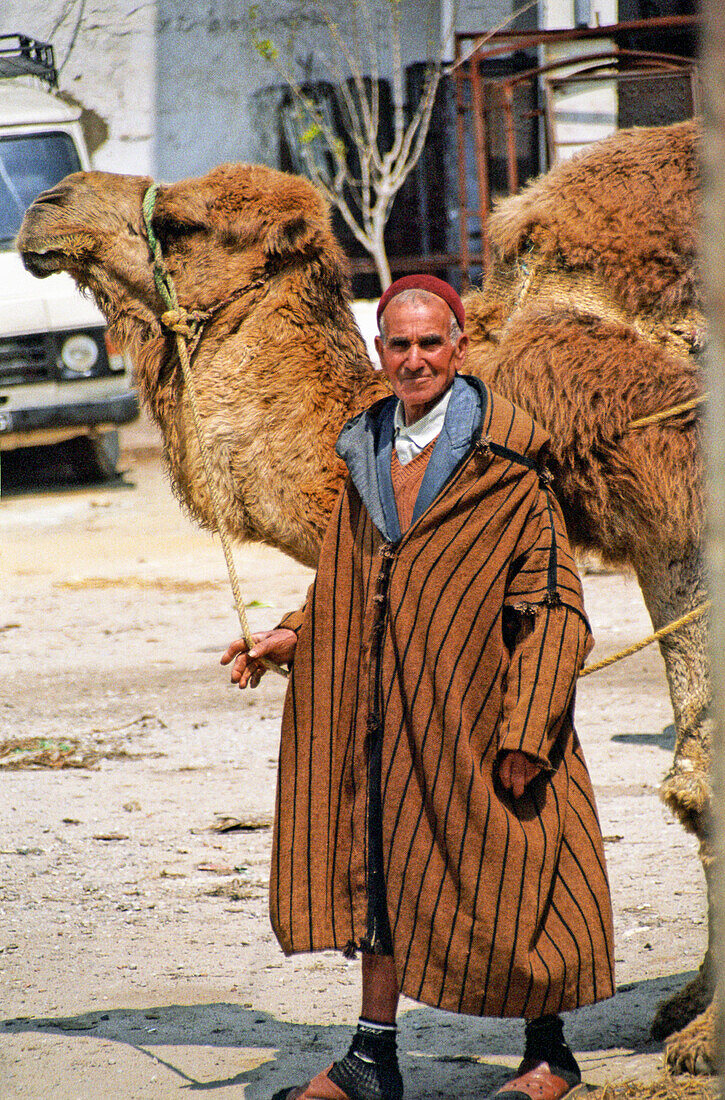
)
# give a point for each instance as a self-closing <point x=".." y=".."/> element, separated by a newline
<point x="407" y="481"/>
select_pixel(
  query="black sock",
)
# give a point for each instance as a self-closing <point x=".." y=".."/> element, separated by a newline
<point x="545" y="1042"/>
<point x="369" y="1070"/>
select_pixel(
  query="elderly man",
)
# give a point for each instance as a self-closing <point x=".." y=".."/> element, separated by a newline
<point x="434" y="810"/>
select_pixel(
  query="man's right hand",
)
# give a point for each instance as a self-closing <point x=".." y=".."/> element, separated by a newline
<point x="276" y="645"/>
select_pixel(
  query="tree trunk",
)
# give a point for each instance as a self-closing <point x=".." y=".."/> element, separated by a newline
<point x="376" y="248"/>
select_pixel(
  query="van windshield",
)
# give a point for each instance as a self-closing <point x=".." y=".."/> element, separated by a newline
<point x="30" y="164"/>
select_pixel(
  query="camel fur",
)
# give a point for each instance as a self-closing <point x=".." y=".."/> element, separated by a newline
<point x="590" y="319"/>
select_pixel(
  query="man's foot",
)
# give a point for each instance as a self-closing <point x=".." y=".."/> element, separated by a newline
<point x="369" y="1070"/>
<point x="549" y="1070"/>
<point x="319" y="1088"/>
<point x="537" y="1081"/>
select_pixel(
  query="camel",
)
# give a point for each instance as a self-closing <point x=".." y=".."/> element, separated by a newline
<point x="590" y="319"/>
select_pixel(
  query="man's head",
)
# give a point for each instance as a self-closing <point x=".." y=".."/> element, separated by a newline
<point x="421" y="343"/>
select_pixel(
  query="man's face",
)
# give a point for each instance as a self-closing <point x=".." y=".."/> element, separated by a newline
<point x="417" y="354"/>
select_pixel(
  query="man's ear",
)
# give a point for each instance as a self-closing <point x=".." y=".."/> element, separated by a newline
<point x="462" y="347"/>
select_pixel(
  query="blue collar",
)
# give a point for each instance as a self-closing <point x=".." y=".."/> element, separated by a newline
<point x="366" y="446"/>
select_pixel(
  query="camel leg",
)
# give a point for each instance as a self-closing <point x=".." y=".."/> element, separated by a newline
<point x="670" y="593"/>
<point x="693" y="1050"/>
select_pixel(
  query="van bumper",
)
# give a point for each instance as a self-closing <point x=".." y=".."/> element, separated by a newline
<point x="50" y="423"/>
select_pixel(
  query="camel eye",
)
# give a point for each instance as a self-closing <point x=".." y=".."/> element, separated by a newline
<point x="133" y="231"/>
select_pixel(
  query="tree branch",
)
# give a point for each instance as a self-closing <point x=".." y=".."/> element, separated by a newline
<point x="362" y="189"/>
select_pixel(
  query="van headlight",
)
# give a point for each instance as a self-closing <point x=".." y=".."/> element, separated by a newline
<point x="79" y="354"/>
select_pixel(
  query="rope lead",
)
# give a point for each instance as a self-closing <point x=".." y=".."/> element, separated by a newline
<point x="175" y="319"/>
<point x="636" y="646"/>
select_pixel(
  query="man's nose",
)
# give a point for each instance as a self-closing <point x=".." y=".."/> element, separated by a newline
<point x="415" y="358"/>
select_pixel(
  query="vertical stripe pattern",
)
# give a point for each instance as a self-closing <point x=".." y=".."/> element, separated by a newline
<point x="430" y="657"/>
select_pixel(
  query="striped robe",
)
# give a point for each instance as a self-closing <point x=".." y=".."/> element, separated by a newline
<point x="421" y="656"/>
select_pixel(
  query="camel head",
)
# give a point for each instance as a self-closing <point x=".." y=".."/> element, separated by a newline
<point x="235" y="226"/>
<point x="90" y="225"/>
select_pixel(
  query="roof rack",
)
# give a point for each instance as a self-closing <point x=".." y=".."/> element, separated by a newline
<point x="21" y="55"/>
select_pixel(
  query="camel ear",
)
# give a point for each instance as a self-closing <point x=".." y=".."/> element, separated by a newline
<point x="260" y="207"/>
<point x="294" y="230"/>
<point x="179" y="205"/>
<point x="292" y="217"/>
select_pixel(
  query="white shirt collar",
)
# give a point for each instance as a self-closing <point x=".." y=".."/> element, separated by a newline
<point x="411" y="439"/>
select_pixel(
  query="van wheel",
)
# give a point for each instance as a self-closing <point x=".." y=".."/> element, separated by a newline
<point x="95" y="456"/>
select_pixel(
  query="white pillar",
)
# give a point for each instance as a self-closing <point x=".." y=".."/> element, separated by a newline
<point x="448" y="29"/>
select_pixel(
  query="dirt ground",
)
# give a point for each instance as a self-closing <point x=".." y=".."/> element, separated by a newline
<point x="136" y="953"/>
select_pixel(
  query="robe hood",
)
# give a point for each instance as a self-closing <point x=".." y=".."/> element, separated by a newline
<point x="365" y="446"/>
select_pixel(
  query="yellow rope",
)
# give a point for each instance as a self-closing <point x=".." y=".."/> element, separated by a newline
<point x="176" y="320"/>
<point x="186" y="328"/>
<point x="635" y="648"/>
<point x="672" y="411"/>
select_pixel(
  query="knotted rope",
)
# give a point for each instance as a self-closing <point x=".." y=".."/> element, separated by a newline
<point x="186" y="327"/>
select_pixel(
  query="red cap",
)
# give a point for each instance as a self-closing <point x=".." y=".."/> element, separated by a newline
<point x="433" y="286"/>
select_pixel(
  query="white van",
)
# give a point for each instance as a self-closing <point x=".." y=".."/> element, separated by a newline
<point x="60" y="377"/>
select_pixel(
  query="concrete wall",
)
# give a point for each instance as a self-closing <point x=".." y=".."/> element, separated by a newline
<point x="171" y="87"/>
<point x="105" y="50"/>
<point x="210" y="75"/>
<point x="207" y="72"/>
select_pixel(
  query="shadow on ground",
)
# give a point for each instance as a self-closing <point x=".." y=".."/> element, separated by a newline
<point x="52" y="468"/>
<point x="442" y="1055"/>
<point x="663" y="740"/>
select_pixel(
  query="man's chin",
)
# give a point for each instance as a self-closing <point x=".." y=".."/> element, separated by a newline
<point x="420" y="392"/>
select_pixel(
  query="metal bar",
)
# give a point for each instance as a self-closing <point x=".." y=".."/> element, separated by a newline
<point x="361" y="266"/>
<point x="512" y="163"/>
<point x="521" y="40"/>
<point x="600" y="72"/>
<point x="551" y="143"/>
<point x="684" y="63"/>
<point x="656" y="22"/>
<point x="480" y="132"/>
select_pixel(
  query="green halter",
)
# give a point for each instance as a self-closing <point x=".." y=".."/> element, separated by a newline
<point x="164" y="285"/>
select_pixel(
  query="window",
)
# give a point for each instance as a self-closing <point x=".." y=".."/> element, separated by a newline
<point x="28" y="165"/>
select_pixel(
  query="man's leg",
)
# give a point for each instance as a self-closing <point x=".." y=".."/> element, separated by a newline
<point x="369" y="1070"/>
<point x="380" y="994"/>
<point x="549" y="1069"/>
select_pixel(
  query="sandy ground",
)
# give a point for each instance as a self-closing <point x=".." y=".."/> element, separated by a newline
<point x="135" y="948"/>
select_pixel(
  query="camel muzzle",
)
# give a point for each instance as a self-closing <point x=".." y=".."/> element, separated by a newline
<point x="40" y="264"/>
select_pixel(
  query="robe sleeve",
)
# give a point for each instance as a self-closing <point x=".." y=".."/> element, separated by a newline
<point x="545" y="661"/>
<point x="293" y="619"/>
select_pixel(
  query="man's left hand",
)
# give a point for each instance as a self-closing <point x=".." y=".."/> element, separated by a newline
<point x="516" y="770"/>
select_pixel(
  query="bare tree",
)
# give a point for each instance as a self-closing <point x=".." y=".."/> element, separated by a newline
<point x="355" y="158"/>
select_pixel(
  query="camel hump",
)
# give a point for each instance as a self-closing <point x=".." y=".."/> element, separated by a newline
<point x="623" y="213"/>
